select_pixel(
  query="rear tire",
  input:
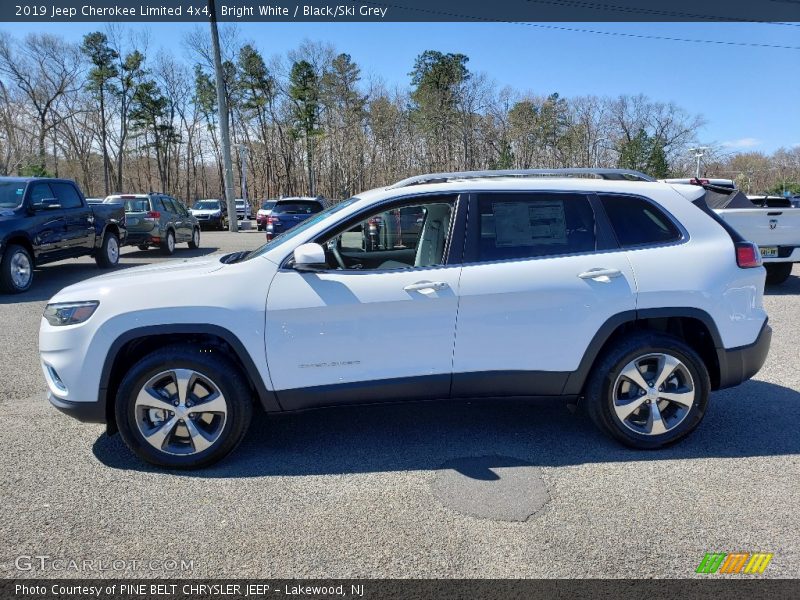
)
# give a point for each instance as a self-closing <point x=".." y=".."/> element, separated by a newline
<point x="183" y="436"/>
<point x="668" y="403"/>
<point x="108" y="254"/>
<point x="777" y="273"/>
<point x="168" y="245"/>
<point x="16" y="270"/>
<point x="194" y="243"/>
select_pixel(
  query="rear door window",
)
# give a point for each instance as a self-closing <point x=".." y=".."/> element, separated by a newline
<point x="638" y="222"/>
<point x="531" y="225"/>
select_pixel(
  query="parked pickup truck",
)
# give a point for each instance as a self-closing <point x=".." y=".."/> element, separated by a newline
<point x="44" y="220"/>
<point x="773" y="224"/>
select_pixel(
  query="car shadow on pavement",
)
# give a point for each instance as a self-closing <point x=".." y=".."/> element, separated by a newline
<point x="790" y="287"/>
<point x="750" y="420"/>
<point x="180" y="253"/>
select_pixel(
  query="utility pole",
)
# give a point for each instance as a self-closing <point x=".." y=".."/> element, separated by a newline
<point x="243" y="150"/>
<point x="699" y="152"/>
<point x="224" y="134"/>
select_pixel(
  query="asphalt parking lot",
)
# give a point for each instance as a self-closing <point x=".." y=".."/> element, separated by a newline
<point x="385" y="491"/>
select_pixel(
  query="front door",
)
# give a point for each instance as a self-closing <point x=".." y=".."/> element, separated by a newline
<point x="540" y="278"/>
<point x="367" y="330"/>
<point x="49" y="225"/>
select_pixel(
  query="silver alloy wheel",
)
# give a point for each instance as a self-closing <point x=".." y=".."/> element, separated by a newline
<point x="196" y="237"/>
<point x="21" y="271"/>
<point x="171" y="242"/>
<point x="112" y="250"/>
<point x="653" y="394"/>
<point x="181" y="412"/>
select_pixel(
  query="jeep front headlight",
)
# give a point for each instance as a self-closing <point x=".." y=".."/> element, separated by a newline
<point x="69" y="313"/>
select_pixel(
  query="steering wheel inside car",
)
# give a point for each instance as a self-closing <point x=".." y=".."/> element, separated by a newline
<point x="333" y="246"/>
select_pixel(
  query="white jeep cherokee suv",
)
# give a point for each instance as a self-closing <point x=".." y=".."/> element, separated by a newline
<point x="603" y="287"/>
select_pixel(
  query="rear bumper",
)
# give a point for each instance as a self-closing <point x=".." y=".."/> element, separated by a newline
<point x="740" y="364"/>
<point x="785" y="254"/>
<point x="138" y="238"/>
<point x="87" y="412"/>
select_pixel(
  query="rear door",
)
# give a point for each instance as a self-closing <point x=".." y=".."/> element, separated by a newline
<point x="541" y="275"/>
<point x="78" y="217"/>
<point x="176" y="219"/>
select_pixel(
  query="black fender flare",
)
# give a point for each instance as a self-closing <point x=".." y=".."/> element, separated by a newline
<point x="577" y="378"/>
<point x="267" y="398"/>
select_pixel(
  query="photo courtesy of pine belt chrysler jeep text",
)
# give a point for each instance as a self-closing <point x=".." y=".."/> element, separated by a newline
<point x="628" y="296"/>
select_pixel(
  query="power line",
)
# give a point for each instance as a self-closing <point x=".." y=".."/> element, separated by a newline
<point x="642" y="36"/>
<point x="663" y="13"/>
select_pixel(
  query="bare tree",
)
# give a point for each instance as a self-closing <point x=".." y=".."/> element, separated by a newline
<point x="45" y="68"/>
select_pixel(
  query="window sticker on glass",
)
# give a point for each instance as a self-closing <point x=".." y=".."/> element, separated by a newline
<point x="529" y="223"/>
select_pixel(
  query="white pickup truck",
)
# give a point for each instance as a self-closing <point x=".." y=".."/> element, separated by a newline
<point x="772" y="223"/>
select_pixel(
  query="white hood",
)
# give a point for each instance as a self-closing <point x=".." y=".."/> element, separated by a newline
<point x="171" y="273"/>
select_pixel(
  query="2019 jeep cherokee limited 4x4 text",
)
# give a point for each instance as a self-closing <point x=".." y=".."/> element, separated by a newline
<point x="630" y="297"/>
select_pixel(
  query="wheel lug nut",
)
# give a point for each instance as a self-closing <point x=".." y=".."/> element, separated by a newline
<point x="192" y="415"/>
<point x="175" y="403"/>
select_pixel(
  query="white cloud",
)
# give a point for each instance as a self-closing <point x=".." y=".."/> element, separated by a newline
<point x="747" y="142"/>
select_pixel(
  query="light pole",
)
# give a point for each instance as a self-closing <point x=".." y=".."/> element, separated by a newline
<point x="699" y="152"/>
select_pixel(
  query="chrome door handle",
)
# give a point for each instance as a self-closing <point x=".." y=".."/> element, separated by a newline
<point x="599" y="272"/>
<point x="425" y="285"/>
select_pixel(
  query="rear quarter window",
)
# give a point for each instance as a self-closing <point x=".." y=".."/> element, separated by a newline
<point x="637" y="222"/>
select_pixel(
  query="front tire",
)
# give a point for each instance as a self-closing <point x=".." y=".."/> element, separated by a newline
<point x="108" y="254"/>
<point x="648" y="390"/>
<point x="194" y="243"/>
<point x="183" y="407"/>
<point x="168" y="245"/>
<point x="777" y="273"/>
<point x="16" y="270"/>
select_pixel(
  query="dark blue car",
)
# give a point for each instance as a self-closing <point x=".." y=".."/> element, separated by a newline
<point x="288" y="212"/>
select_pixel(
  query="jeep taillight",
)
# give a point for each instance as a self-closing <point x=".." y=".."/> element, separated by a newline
<point x="747" y="255"/>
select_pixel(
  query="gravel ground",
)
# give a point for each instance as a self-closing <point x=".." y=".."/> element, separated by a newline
<point x="353" y="493"/>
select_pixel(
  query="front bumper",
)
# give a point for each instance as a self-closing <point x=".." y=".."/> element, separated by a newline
<point x="87" y="412"/>
<point x="740" y="364"/>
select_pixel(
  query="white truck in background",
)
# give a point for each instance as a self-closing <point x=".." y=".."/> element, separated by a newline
<point x="773" y="223"/>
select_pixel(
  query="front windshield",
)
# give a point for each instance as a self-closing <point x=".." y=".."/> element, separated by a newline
<point x="11" y="193"/>
<point x="290" y="233"/>
<point x="206" y="205"/>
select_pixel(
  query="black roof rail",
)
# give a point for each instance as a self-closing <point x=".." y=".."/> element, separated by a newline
<point x="609" y="174"/>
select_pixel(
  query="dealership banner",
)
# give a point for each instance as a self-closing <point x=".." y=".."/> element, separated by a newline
<point x="388" y="589"/>
<point x="402" y="10"/>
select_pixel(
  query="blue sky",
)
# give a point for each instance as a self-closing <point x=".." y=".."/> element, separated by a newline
<point x="750" y="96"/>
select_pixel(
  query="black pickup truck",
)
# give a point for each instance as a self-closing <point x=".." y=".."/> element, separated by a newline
<point x="43" y="220"/>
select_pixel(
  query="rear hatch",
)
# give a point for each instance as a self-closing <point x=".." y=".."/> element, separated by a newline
<point x="286" y="215"/>
<point x="138" y="214"/>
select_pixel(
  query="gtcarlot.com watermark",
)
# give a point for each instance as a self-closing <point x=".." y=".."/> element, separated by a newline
<point x="45" y="563"/>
